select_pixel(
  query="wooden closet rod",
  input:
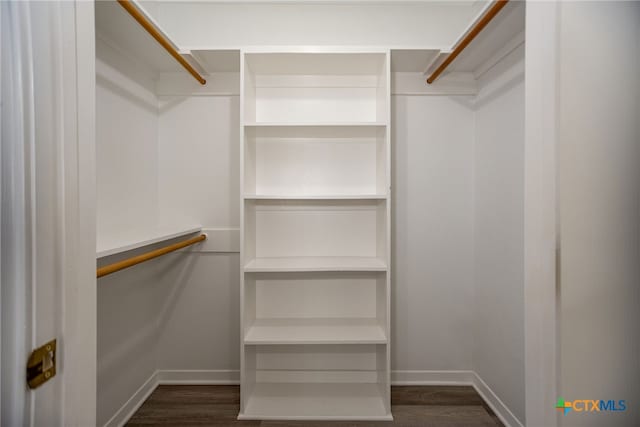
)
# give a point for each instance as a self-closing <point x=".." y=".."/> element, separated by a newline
<point x="129" y="262"/>
<point x="153" y="31"/>
<point x="486" y="18"/>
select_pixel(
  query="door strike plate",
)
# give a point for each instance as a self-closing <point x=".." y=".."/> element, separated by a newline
<point x="41" y="366"/>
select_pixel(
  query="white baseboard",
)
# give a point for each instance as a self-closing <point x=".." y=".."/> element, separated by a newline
<point x="191" y="377"/>
<point x="499" y="408"/>
<point x="222" y="377"/>
<point x="432" y="377"/>
<point x="186" y="377"/>
<point x="232" y="377"/>
<point x="130" y="407"/>
<point x="459" y="378"/>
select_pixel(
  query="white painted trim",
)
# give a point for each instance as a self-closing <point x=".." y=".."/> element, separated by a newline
<point x="502" y="53"/>
<point x="232" y="377"/>
<point x="130" y="407"/>
<point x="245" y="417"/>
<point x="495" y="82"/>
<point x="432" y="377"/>
<point x="78" y="358"/>
<point x="343" y="2"/>
<point x="182" y="84"/>
<point x="436" y="60"/>
<point x="471" y="378"/>
<point x="154" y="23"/>
<point x="415" y="84"/>
<point x="315" y="48"/>
<point x="495" y="403"/>
<point x="195" y="61"/>
<point x="221" y="240"/>
<point x="228" y="84"/>
<point x="540" y="204"/>
<point x="183" y="377"/>
<point x="202" y="377"/>
<point x="472" y="24"/>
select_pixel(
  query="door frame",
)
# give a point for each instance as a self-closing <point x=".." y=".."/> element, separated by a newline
<point x="79" y="312"/>
<point x="540" y="214"/>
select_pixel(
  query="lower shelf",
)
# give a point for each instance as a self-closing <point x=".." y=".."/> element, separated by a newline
<point x="314" y="401"/>
<point x="315" y="264"/>
<point x="315" y="331"/>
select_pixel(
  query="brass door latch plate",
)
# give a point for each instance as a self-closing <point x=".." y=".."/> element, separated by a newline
<point x="41" y="366"/>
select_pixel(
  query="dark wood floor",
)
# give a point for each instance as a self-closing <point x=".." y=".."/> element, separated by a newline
<point x="441" y="406"/>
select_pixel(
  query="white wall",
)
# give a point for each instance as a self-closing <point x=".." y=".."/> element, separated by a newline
<point x="432" y="229"/>
<point x="126" y="143"/>
<point x="498" y="324"/>
<point x="443" y="319"/>
<point x="234" y="24"/>
<point x="128" y="319"/>
<point x="200" y="314"/>
<point x="163" y="161"/>
<point x="433" y="217"/>
<point x="599" y="197"/>
<point x="199" y="158"/>
<point x="126" y="169"/>
<point x="194" y="298"/>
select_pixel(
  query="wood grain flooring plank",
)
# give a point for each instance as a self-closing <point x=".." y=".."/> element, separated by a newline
<point x="441" y="416"/>
<point x="412" y="406"/>
<point x="440" y="395"/>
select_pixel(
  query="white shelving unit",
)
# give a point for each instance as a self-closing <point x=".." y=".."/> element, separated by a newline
<point x="315" y="235"/>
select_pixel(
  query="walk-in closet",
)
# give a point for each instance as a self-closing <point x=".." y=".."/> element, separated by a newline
<point x="343" y="213"/>
<point x="321" y="176"/>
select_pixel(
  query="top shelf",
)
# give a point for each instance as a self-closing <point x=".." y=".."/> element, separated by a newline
<point x="500" y="37"/>
<point x="315" y="89"/>
<point x="307" y="64"/>
<point x="505" y="29"/>
<point x="413" y="60"/>
<point x="117" y="28"/>
<point x="313" y="124"/>
<point x="503" y="34"/>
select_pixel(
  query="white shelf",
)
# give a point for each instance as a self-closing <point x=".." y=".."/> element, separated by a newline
<point x="315" y="331"/>
<point x="291" y="264"/>
<point x="117" y="243"/>
<point x="315" y="197"/>
<point x="307" y="63"/>
<point x="501" y="36"/>
<point x="305" y="401"/>
<point x="412" y="60"/>
<point x="311" y="124"/>
<point x="218" y="60"/>
<point x="315" y="160"/>
<point x="117" y="28"/>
